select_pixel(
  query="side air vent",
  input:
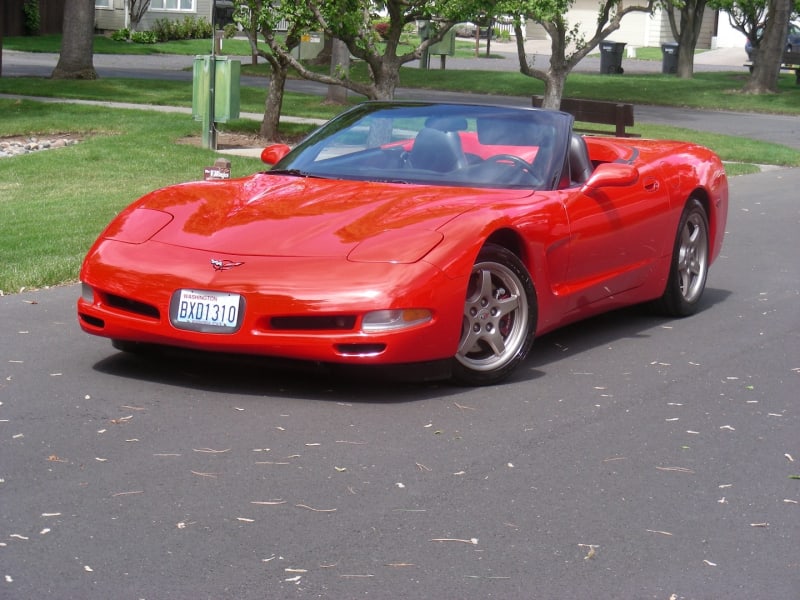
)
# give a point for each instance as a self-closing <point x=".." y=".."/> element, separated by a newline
<point x="132" y="306"/>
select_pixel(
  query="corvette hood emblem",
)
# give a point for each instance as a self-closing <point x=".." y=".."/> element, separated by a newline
<point x="224" y="265"/>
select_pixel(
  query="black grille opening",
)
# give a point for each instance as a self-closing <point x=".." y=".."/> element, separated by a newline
<point x="320" y="323"/>
<point x="93" y="321"/>
<point x="360" y="349"/>
<point x="132" y="306"/>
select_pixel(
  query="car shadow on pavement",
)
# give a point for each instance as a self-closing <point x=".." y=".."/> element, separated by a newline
<point x="631" y="322"/>
<point x="259" y="376"/>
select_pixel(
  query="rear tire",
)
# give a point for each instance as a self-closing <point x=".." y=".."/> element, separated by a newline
<point x="689" y="267"/>
<point x="499" y="319"/>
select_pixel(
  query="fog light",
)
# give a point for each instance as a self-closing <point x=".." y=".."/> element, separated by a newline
<point x="87" y="293"/>
<point x="392" y="320"/>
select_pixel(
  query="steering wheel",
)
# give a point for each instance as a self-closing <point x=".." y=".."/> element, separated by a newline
<point x="514" y="161"/>
<point x="522" y="171"/>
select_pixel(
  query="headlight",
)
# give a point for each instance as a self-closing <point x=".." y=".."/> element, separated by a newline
<point x="398" y="246"/>
<point x="137" y="226"/>
<point x="392" y="320"/>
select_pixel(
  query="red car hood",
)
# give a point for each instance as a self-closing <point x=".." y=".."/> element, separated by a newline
<point x="271" y="215"/>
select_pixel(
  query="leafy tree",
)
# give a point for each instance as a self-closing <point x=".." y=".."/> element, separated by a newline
<point x="685" y="19"/>
<point x="567" y="44"/>
<point x="750" y="17"/>
<point x="352" y="22"/>
<point x="746" y="16"/>
<point x="261" y="17"/>
<point x="136" y="11"/>
<point x="766" y="67"/>
<point x="76" y="58"/>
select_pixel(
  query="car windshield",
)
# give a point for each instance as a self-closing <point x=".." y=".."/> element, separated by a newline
<point x="437" y="144"/>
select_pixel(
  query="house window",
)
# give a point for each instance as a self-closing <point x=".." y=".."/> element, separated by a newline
<point x="102" y="3"/>
<point x="187" y="5"/>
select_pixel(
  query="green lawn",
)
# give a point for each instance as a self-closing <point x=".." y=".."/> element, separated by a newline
<point x="54" y="203"/>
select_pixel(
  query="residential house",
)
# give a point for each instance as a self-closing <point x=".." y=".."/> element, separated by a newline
<point x="112" y="15"/>
<point x="642" y="29"/>
<point x="636" y="30"/>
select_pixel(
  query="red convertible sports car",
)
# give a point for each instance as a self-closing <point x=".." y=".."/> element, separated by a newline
<point x="412" y="233"/>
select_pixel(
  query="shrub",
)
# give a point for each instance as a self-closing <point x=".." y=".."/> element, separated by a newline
<point x="33" y="22"/>
<point x="144" y="37"/>
<point x="185" y="29"/>
<point x="382" y="29"/>
<point x="203" y="29"/>
<point x="164" y="30"/>
<point x="230" y="30"/>
<point x="121" y="35"/>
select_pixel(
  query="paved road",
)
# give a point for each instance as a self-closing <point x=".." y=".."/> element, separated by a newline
<point x="632" y="457"/>
<point x="772" y="128"/>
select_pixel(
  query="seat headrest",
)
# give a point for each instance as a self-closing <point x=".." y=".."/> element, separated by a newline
<point x="446" y="123"/>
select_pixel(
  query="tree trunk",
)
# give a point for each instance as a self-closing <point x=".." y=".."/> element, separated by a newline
<point x="554" y="90"/>
<point x="136" y="11"/>
<point x="385" y="76"/>
<point x="77" y="42"/>
<point x="274" y="101"/>
<point x="340" y="63"/>
<point x="769" y="55"/>
<point x="691" y="21"/>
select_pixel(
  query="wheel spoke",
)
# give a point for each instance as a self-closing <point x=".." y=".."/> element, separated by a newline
<point x="497" y="324"/>
<point x="691" y="257"/>
<point x="691" y="254"/>
<point x="489" y="316"/>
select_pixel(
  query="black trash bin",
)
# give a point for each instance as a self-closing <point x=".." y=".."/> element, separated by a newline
<point x="669" y="53"/>
<point x="223" y="13"/>
<point x="611" y="57"/>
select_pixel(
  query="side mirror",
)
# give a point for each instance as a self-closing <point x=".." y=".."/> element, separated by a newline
<point x="273" y="154"/>
<point x="611" y="175"/>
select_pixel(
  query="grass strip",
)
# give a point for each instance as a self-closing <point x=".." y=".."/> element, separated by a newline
<point x="55" y="203"/>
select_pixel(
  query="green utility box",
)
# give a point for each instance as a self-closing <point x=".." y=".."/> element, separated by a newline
<point x="311" y="44"/>
<point x="226" y="87"/>
<point x="447" y="45"/>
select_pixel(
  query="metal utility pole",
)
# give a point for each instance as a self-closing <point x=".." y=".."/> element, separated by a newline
<point x="209" y="131"/>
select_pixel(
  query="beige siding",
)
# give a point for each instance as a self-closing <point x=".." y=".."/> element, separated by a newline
<point x="116" y="18"/>
<point x="112" y="18"/>
<point x="637" y="29"/>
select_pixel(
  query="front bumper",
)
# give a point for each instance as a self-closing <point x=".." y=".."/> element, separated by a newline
<point x="297" y="308"/>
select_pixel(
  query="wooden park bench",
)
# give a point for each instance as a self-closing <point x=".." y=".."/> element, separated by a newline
<point x="618" y="114"/>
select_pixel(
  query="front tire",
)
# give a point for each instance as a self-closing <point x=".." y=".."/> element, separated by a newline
<point x="499" y="318"/>
<point x="690" y="260"/>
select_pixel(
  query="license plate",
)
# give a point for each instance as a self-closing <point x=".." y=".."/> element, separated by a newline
<point x="201" y="310"/>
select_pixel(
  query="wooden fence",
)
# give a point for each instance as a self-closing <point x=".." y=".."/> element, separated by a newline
<point x="12" y="17"/>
